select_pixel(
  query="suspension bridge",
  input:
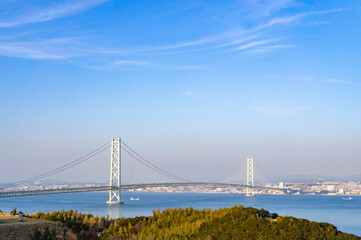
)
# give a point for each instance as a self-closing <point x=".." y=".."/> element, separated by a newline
<point x="41" y="185"/>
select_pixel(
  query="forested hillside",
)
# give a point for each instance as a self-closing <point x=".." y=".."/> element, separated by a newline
<point x="226" y="223"/>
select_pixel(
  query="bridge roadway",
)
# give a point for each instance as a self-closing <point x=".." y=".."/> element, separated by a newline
<point x="5" y="194"/>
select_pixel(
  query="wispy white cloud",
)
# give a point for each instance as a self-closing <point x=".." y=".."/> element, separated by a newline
<point x="188" y="44"/>
<point x="337" y="80"/>
<point x="295" y="17"/>
<point x="126" y="64"/>
<point x="315" y="23"/>
<point x="308" y="78"/>
<point x="180" y="67"/>
<point x="13" y="50"/>
<point x="329" y="80"/>
<point x="50" y="13"/>
<point x="254" y="44"/>
<point x="50" y="49"/>
<point x="192" y="93"/>
<point x="353" y="115"/>
<point x="275" y="110"/>
<point x="283" y="20"/>
<point x="188" y="93"/>
<point x="328" y="11"/>
<point x="261" y="8"/>
<point x="255" y="40"/>
<point x="214" y="39"/>
<point x="341" y="81"/>
<point x="244" y="38"/>
<point x="270" y="48"/>
<point x="119" y="64"/>
<point x="129" y="62"/>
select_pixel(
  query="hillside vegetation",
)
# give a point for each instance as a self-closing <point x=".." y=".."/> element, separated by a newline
<point x="236" y="222"/>
<point x="11" y="229"/>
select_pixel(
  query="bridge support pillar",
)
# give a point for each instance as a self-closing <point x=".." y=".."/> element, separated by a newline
<point x="115" y="173"/>
<point x="250" y="179"/>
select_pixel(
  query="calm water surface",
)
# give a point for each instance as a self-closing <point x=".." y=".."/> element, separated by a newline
<point x="345" y="214"/>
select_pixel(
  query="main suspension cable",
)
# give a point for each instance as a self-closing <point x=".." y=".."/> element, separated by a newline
<point x="64" y="167"/>
<point x="230" y="175"/>
<point x="150" y="165"/>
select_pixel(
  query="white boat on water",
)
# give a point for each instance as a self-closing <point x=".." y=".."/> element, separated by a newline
<point x="134" y="199"/>
<point x="349" y="198"/>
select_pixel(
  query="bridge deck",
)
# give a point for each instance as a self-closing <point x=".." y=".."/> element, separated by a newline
<point x="123" y="187"/>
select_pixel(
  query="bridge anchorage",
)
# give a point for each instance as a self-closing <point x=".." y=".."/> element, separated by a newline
<point x="115" y="173"/>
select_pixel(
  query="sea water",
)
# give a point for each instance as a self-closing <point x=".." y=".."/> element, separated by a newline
<point x="337" y="210"/>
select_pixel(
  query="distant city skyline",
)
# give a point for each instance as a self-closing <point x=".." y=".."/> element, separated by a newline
<point x="195" y="87"/>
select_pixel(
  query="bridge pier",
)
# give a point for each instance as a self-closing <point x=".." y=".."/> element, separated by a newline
<point x="115" y="173"/>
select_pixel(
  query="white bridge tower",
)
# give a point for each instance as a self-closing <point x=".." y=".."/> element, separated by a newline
<point x="250" y="177"/>
<point x="115" y="171"/>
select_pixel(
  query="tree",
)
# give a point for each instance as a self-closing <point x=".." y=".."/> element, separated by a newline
<point x="46" y="235"/>
<point x="13" y="212"/>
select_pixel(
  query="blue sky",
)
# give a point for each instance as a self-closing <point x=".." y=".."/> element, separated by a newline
<point x="195" y="86"/>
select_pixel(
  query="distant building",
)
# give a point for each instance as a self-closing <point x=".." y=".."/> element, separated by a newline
<point x="281" y="185"/>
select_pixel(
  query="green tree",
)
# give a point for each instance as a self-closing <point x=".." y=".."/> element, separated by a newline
<point x="13" y="212"/>
<point x="46" y="235"/>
